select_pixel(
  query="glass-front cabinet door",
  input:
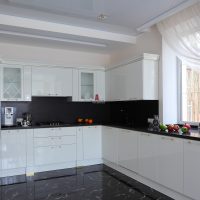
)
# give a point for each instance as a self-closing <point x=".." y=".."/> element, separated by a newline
<point x="87" y="85"/>
<point x="11" y="83"/>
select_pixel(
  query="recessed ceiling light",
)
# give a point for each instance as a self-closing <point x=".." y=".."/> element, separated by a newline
<point x="102" y="17"/>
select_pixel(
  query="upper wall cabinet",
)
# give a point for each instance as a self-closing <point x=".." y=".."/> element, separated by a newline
<point x="15" y="82"/>
<point x="51" y="81"/>
<point x="134" y="80"/>
<point x="88" y="85"/>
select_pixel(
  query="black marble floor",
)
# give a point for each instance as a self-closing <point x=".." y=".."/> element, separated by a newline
<point x="97" y="182"/>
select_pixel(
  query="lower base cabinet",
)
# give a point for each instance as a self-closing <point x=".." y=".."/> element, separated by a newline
<point x="170" y="162"/>
<point x="92" y="142"/>
<point x="128" y="149"/>
<point x="13" y="149"/>
<point x="147" y="154"/>
<point x="191" y="169"/>
<point x="54" y="146"/>
<point x="55" y="154"/>
<point x="109" y="144"/>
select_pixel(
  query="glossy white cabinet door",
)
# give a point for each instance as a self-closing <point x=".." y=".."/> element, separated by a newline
<point x="75" y="85"/>
<point x="27" y="83"/>
<point x="117" y="84"/>
<point x="191" y="169"/>
<point x="13" y="149"/>
<point x="55" y="154"/>
<point x="92" y="142"/>
<point x="79" y="147"/>
<point x="147" y="155"/>
<point x="128" y="149"/>
<point x="150" y="80"/>
<point x="12" y="82"/>
<point x="108" y="85"/>
<point x="30" y="150"/>
<point x="42" y="81"/>
<point x="133" y="84"/>
<point x="87" y="85"/>
<point x="109" y="144"/>
<point x="100" y="85"/>
<point x="51" y="81"/>
<point x="170" y="162"/>
<point x="63" y="82"/>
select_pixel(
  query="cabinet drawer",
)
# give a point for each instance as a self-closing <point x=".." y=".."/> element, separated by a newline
<point x="55" y="154"/>
<point x="53" y="141"/>
<point x="51" y="132"/>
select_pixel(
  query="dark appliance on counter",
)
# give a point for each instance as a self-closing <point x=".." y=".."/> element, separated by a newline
<point x="27" y="119"/>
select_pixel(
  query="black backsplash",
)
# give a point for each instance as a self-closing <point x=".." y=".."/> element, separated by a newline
<point x="132" y="113"/>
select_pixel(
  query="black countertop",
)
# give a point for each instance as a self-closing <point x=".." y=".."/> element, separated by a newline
<point x="194" y="134"/>
<point x="46" y="126"/>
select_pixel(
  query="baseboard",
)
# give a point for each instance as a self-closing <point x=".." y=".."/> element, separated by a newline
<point x="51" y="167"/>
<point x="12" y="172"/>
<point x="173" y="194"/>
<point x="89" y="162"/>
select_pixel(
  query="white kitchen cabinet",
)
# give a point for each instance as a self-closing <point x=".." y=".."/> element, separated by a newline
<point x="87" y="85"/>
<point x="27" y="84"/>
<point x="100" y="84"/>
<point x="128" y="149"/>
<point x="134" y="80"/>
<point x="15" y="82"/>
<point x="170" y="162"/>
<point x="79" y="147"/>
<point x="92" y="142"/>
<point x="54" y="146"/>
<point x="117" y="84"/>
<point x="51" y="81"/>
<point x="108" y="85"/>
<point x="147" y="155"/>
<point x="75" y="85"/>
<point x="91" y="83"/>
<point x="13" y="149"/>
<point x="11" y="82"/>
<point x="109" y="144"/>
<point x="191" y="169"/>
<point x="47" y="155"/>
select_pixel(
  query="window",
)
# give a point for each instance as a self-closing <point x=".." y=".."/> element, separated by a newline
<point x="189" y="94"/>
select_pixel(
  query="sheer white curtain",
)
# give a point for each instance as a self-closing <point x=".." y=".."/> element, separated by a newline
<point x="182" y="33"/>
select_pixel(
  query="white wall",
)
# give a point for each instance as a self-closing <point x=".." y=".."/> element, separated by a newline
<point x="169" y="83"/>
<point x="148" y="42"/>
<point x="52" y="56"/>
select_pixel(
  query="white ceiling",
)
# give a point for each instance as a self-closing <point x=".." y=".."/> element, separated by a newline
<point x="125" y="17"/>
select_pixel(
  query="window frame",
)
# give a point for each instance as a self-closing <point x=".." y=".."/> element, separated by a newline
<point x="179" y="64"/>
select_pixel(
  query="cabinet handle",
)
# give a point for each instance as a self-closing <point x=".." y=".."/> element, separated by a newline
<point x="132" y="98"/>
<point x="165" y="138"/>
<point x="145" y="134"/>
<point x="194" y="143"/>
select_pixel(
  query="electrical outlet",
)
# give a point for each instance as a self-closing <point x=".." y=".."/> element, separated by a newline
<point x="150" y="120"/>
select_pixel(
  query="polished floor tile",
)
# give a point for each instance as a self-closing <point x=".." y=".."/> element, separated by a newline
<point x="97" y="182"/>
